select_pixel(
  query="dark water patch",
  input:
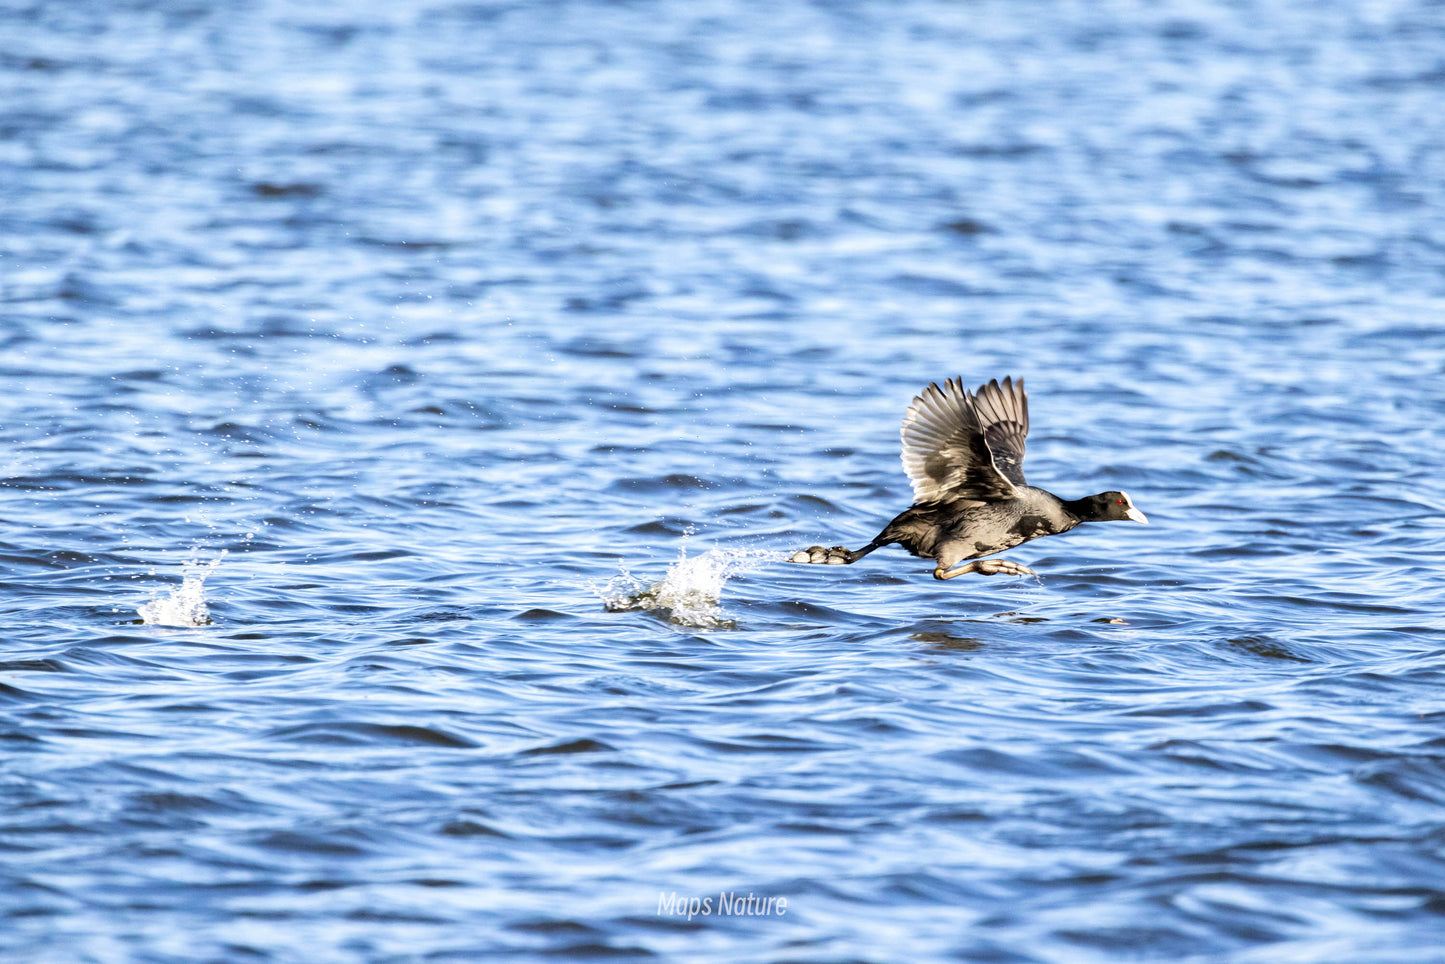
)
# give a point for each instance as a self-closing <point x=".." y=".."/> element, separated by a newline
<point x="965" y="227"/>
<point x="1127" y="939"/>
<point x="269" y="189"/>
<point x="665" y="483"/>
<point x="446" y="614"/>
<point x="171" y="802"/>
<point x="1197" y="755"/>
<point x="1338" y="753"/>
<point x="369" y="734"/>
<point x="33" y="666"/>
<point x="237" y="432"/>
<point x="322" y="845"/>
<point x="768" y="742"/>
<point x="540" y="615"/>
<point x="14" y="694"/>
<point x="470" y="828"/>
<point x="983" y="760"/>
<point x="660" y="527"/>
<point x="411" y="641"/>
<point x="53" y="559"/>
<point x="570" y="747"/>
<point x="1230" y="708"/>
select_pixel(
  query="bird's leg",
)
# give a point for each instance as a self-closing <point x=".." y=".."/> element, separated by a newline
<point x="836" y="556"/>
<point x="985" y="567"/>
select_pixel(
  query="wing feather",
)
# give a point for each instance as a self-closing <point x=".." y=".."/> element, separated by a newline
<point x="1003" y="410"/>
<point x="961" y="445"/>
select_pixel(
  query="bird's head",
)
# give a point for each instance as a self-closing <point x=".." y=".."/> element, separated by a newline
<point x="1112" y="507"/>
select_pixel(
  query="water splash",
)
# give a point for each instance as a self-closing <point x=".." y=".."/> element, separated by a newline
<point x="185" y="605"/>
<point x="690" y="593"/>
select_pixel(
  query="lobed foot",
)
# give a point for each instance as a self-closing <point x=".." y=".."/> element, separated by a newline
<point x="836" y="556"/>
<point x="807" y="555"/>
<point x="985" y="567"/>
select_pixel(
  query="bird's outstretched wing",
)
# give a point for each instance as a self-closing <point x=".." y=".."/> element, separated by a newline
<point x="963" y="445"/>
<point x="1003" y="414"/>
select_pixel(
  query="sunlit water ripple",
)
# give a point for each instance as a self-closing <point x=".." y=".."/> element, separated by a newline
<point x="409" y="407"/>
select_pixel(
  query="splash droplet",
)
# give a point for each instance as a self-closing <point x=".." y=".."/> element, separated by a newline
<point x="690" y="593"/>
<point x="184" y="605"/>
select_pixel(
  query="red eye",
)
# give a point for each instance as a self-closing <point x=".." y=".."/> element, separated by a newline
<point x="1121" y="501"/>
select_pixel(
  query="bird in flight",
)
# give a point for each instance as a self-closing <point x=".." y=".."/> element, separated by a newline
<point x="964" y="453"/>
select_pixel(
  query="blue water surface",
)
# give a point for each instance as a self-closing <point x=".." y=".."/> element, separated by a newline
<point x="408" y="406"/>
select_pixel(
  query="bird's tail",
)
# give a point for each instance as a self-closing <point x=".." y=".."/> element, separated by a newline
<point x="836" y="556"/>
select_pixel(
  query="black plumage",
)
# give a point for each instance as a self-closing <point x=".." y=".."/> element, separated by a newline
<point x="964" y="453"/>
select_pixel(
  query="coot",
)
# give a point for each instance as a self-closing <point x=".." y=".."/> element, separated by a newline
<point x="964" y="452"/>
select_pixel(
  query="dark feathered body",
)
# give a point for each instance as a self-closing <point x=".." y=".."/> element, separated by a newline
<point x="952" y="531"/>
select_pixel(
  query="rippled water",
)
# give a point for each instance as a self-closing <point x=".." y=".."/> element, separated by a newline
<point x="408" y="407"/>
